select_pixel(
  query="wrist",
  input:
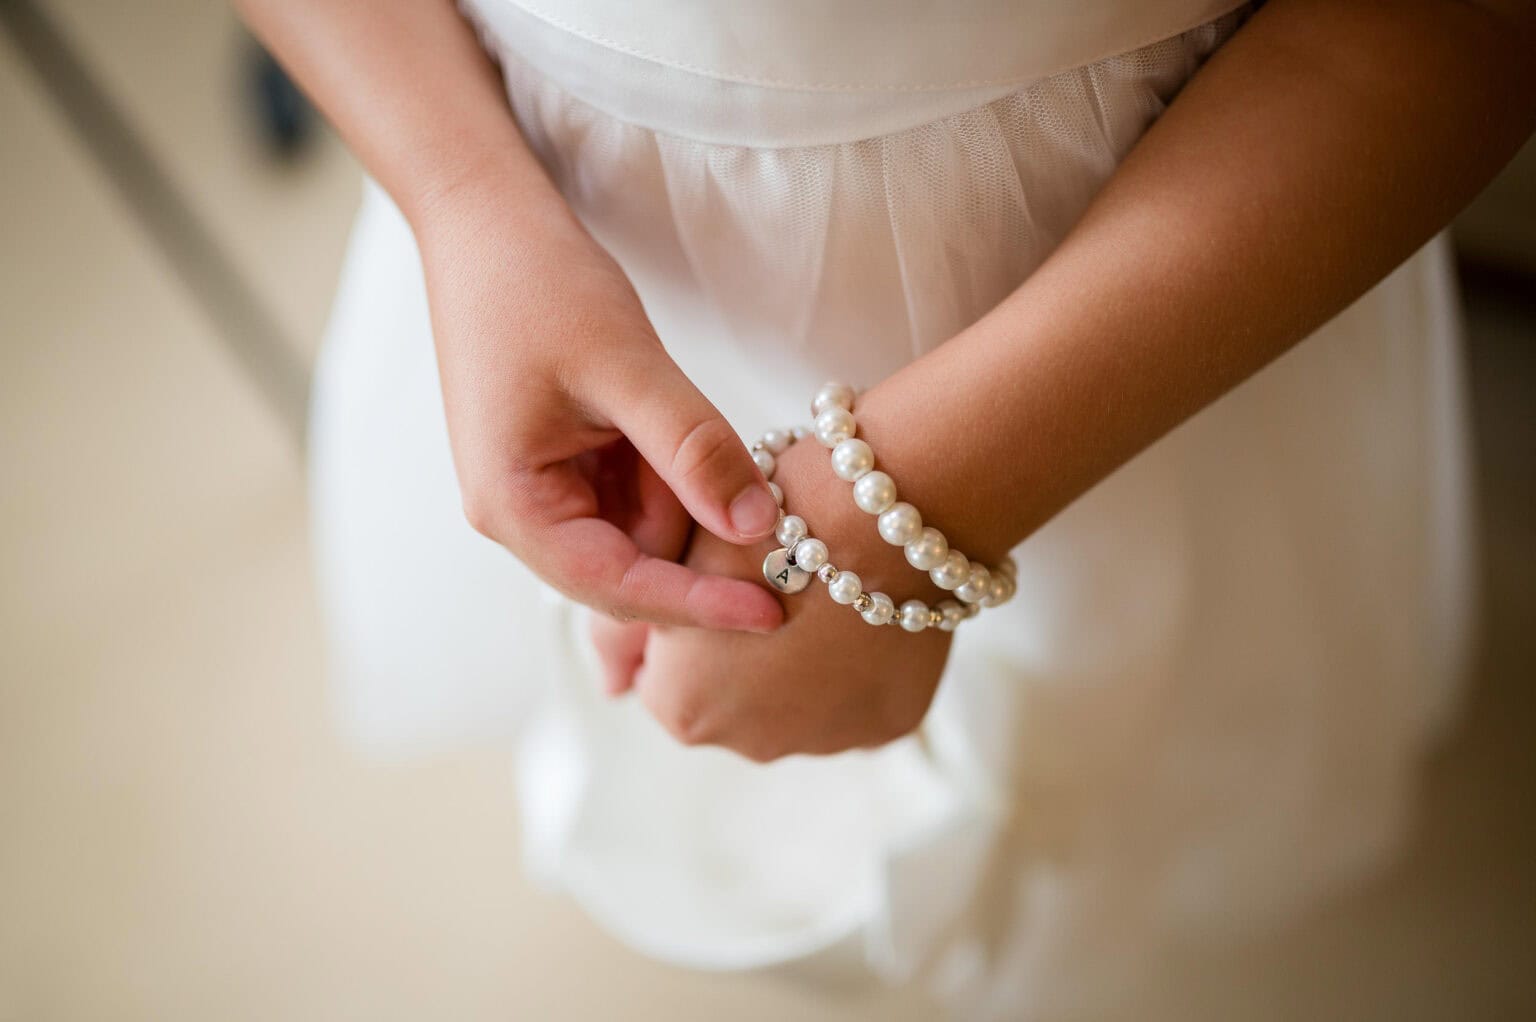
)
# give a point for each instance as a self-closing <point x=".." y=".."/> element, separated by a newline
<point x="816" y="494"/>
<point x="507" y="191"/>
<point x="935" y="474"/>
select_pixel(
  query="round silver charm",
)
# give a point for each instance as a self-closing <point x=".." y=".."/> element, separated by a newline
<point x="782" y="575"/>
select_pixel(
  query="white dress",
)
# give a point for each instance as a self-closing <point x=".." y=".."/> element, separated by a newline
<point x="1205" y="707"/>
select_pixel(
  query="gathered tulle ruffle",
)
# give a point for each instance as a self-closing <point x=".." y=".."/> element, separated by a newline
<point x="855" y="240"/>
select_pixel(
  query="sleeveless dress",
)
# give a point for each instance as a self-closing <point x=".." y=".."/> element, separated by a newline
<point x="1205" y="706"/>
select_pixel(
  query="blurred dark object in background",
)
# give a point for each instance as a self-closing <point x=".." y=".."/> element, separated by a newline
<point x="284" y="116"/>
<point x="200" y="258"/>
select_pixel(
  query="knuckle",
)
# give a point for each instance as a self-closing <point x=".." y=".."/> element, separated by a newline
<point x="762" y="753"/>
<point x="711" y="447"/>
<point x="482" y="514"/>
<point x="623" y="603"/>
<point x="690" y="724"/>
<point x="494" y="505"/>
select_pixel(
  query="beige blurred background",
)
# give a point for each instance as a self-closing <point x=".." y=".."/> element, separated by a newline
<point x="183" y="835"/>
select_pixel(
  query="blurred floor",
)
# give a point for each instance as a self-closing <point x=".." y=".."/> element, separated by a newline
<point x="183" y="837"/>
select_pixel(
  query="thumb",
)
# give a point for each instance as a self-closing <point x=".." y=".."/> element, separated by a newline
<point x="695" y="451"/>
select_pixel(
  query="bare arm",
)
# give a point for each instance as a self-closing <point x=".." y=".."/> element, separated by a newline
<point x="579" y="444"/>
<point x="1316" y="150"/>
<point x="412" y="92"/>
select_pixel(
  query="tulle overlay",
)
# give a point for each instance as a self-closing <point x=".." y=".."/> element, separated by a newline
<point x="1202" y="710"/>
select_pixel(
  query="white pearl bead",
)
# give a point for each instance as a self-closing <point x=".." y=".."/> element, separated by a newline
<point x="852" y="460"/>
<point x="955" y="570"/>
<point x="953" y="613"/>
<point x="914" y="615"/>
<point x="999" y="590"/>
<point x="764" y="462"/>
<point x="845" y="587"/>
<point x="810" y="554"/>
<point x="901" y="524"/>
<point x="777" y="440"/>
<point x="875" y="492"/>
<point x="834" y="425"/>
<point x="976" y="586"/>
<point x="800" y="432"/>
<point x="838" y="395"/>
<point x="883" y="610"/>
<point x="778" y="493"/>
<point x="928" y="550"/>
<point x="790" y="530"/>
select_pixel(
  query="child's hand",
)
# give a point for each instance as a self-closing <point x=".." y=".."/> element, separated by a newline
<point x="823" y="683"/>
<point x="580" y="446"/>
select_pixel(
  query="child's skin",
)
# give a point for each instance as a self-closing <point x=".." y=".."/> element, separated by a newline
<point x="1314" y="152"/>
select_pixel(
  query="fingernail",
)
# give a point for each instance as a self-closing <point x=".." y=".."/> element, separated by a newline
<point x="754" y="511"/>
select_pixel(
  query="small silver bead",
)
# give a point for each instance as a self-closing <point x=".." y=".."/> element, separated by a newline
<point x="863" y="603"/>
<point x="826" y="572"/>
<point x="935" y="617"/>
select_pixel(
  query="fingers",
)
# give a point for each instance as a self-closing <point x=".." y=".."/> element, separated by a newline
<point x="694" y="450"/>
<point x="594" y="563"/>
<point x="661" y="525"/>
<point x="620" y="648"/>
<point x="547" y="521"/>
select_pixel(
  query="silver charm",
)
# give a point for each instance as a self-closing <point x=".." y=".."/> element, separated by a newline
<point x="782" y="575"/>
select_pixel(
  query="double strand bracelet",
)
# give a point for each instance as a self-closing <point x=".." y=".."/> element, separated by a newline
<point x="790" y="567"/>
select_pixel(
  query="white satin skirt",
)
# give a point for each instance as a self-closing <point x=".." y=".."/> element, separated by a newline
<point x="1203" y="711"/>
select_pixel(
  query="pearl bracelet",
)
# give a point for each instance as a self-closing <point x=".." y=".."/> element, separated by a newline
<point x="790" y="567"/>
<point x="899" y="523"/>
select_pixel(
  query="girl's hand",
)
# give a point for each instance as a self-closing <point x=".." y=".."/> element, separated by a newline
<point x="580" y="445"/>
<point x="826" y="681"/>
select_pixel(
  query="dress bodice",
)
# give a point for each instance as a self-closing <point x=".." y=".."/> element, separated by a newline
<point x="801" y="72"/>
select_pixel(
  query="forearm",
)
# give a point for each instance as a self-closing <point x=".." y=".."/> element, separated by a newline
<point x="413" y="94"/>
<point x="1316" y="151"/>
